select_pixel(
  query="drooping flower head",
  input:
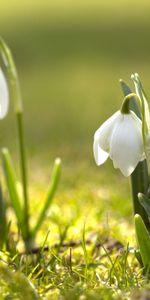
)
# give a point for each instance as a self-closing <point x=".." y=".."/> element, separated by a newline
<point x="120" y="138"/>
<point x="4" y="95"/>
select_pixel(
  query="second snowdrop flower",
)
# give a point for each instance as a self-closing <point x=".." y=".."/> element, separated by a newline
<point x="120" y="137"/>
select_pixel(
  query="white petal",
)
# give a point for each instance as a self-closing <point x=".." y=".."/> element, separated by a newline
<point x="4" y="95"/>
<point x="126" y="148"/>
<point x="104" y="132"/>
<point x="102" y="139"/>
<point x="99" y="154"/>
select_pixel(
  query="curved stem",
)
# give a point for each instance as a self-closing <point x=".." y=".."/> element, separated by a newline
<point x="19" y="117"/>
<point x="125" y="108"/>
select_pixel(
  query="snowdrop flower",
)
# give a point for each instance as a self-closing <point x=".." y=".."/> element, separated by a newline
<point x="120" y="137"/>
<point x="4" y="95"/>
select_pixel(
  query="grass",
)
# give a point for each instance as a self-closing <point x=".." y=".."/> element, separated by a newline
<point x="84" y="250"/>
<point x="69" y="58"/>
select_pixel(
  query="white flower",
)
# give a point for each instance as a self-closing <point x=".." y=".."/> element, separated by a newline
<point x="120" y="137"/>
<point x="4" y="95"/>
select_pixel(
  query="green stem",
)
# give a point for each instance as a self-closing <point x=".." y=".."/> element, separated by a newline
<point x="140" y="184"/>
<point x="19" y="116"/>
<point x="125" y="108"/>
<point x="3" y="223"/>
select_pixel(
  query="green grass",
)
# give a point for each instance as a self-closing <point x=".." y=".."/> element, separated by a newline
<point x="87" y="232"/>
<point x="70" y="57"/>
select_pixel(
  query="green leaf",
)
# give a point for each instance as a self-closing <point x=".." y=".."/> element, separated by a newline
<point x="11" y="184"/>
<point x="50" y="194"/>
<point x="143" y="240"/>
<point x="3" y="225"/>
<point x="145" y="110"/>
<point x="138" y="257"/>
<point x="145" y="202"/>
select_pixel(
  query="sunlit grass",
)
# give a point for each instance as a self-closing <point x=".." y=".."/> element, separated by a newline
<point x="87" y="203"/>
<point x="82" y="202"/>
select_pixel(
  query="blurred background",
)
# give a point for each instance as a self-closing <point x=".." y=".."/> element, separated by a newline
<point x="70" y="56"/>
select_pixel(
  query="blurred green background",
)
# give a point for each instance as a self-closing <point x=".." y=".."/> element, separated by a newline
<point x="70" y="55"/>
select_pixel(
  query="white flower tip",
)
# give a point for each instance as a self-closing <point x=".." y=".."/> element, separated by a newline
<point x="127" y="172"/>
<point x="136" y="74"/>
<point x="4" y="95"/>
<point x="125" y="169"/>
<point x="4" y="150"/>
<point x="58" y="161"/>
<point x="100" y="155"/>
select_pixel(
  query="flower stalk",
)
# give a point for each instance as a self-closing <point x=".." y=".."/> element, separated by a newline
<point x="19" y="118"/>
<point x="139" y="177"/>
<point x="126" y="105"/>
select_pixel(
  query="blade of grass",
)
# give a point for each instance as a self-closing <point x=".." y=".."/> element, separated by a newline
<point x="63" y="236"/>
<point x="145" y="202"/>
<point x="50" y="194"/>
<point x="11" y="184"/>
<point x="19" y="117"/>
<point x="85" y="252"/>
<point x="3" y="224"/>
<point x="145" y="115"/>
<point x="143" y="240"/>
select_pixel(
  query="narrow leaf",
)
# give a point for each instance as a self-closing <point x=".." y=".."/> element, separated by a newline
<point x="50" y="194"/>
<point x="143" y="240"/>
<point x="145" y="115"/>
<point x="3" y="225"/>
<point x="11" y="184"/>
<point x="145" y="202"/>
